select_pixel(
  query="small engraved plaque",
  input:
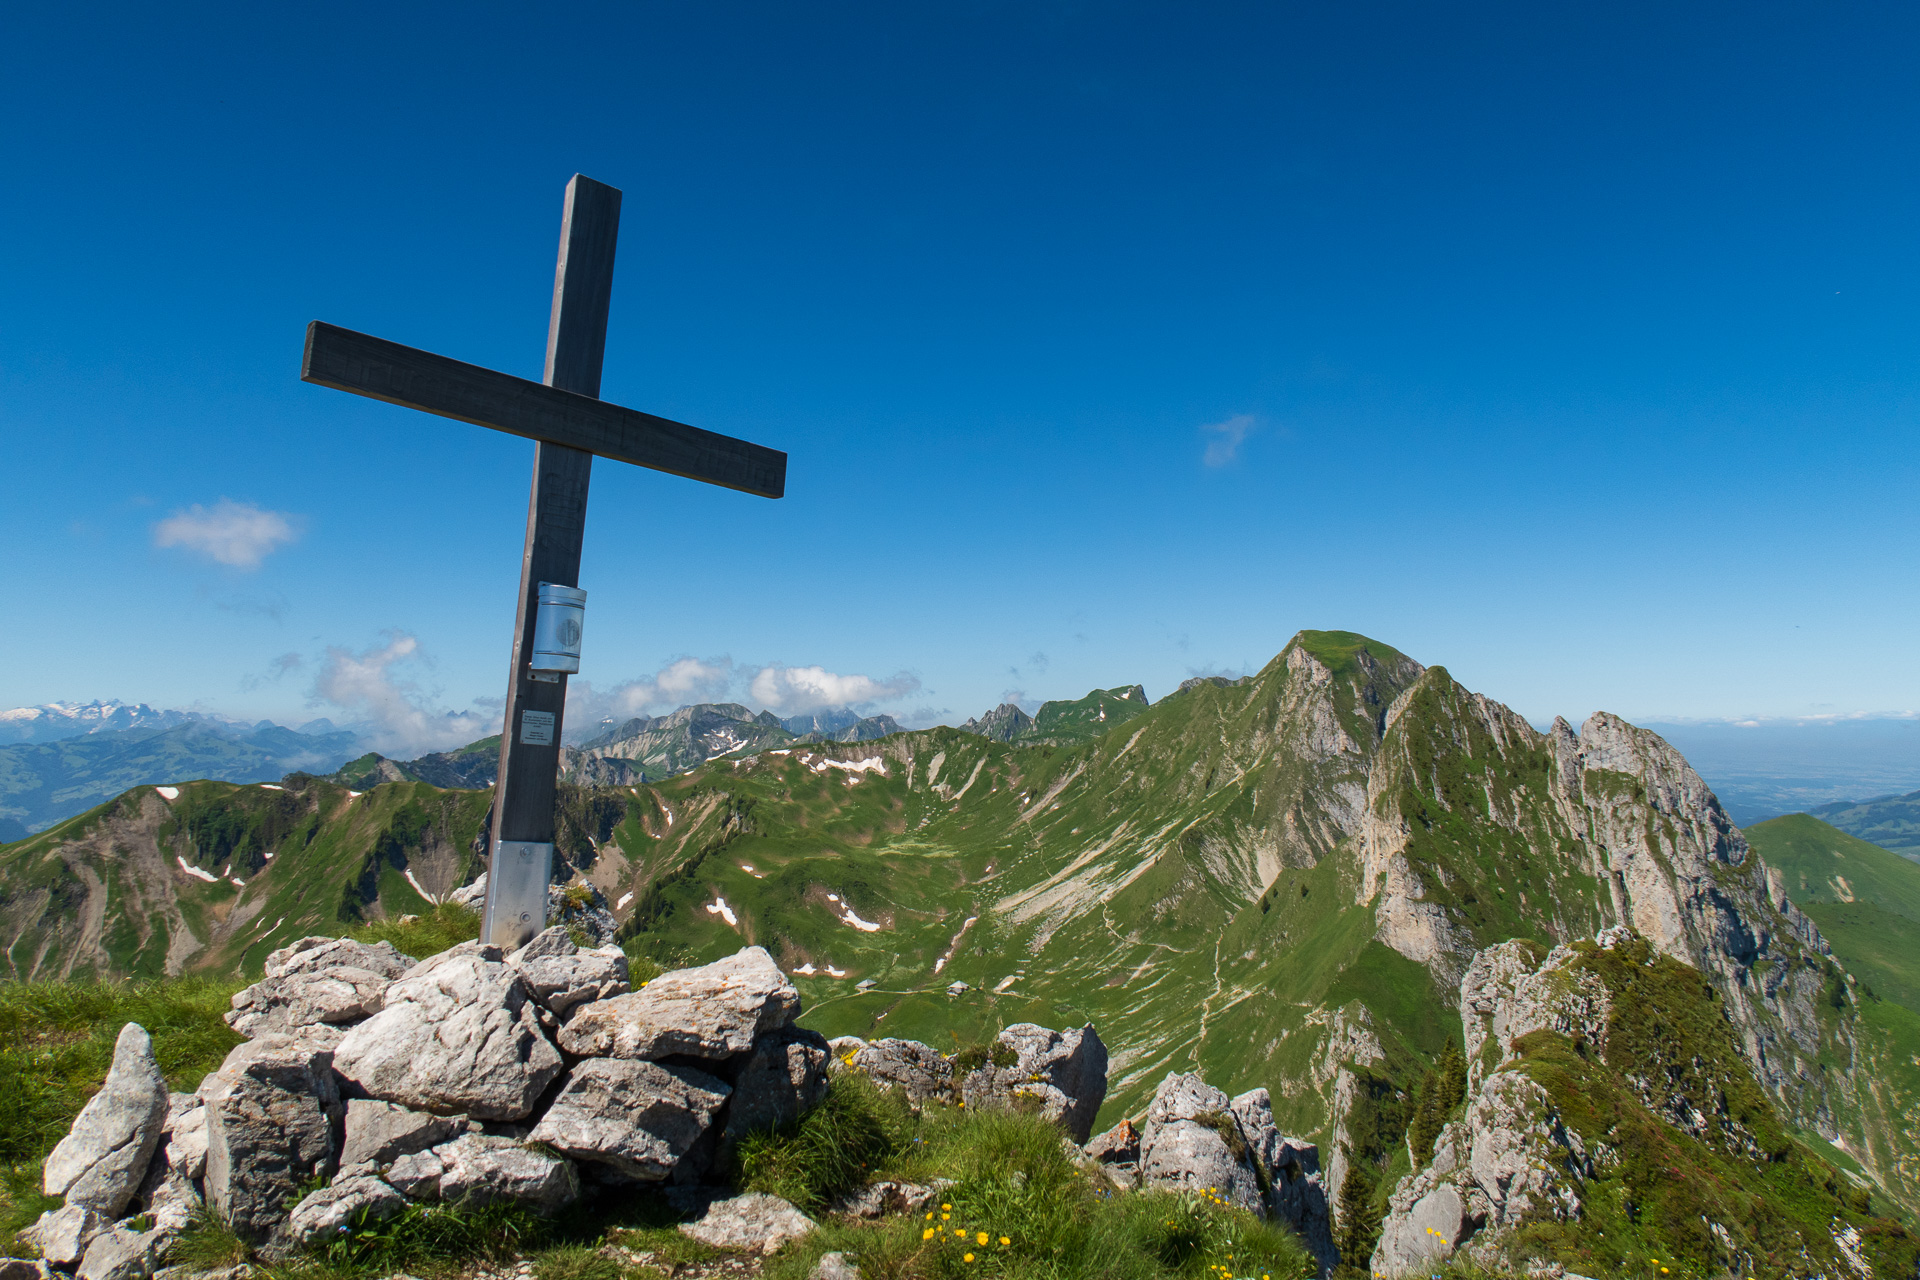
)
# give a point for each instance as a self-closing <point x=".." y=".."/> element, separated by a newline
<point x="536" y="728"/>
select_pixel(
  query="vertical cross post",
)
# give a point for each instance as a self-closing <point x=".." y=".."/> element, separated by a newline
<point x="521" y="844"/>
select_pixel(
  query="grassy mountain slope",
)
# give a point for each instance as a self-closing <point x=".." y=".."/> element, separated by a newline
<point x="216" y="875"/>
<point x="1892" y="822"/>
<point x="1690" y="1167"/>
<point x="1069" y="722"/>
<point x="1865" y="899"/>
<point x="1277" y="881"/>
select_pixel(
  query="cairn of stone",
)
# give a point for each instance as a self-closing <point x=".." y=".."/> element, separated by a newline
<point x="530" y="1077"/>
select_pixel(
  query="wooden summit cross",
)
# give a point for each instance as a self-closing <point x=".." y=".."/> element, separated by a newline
<point x="569" y="424"/>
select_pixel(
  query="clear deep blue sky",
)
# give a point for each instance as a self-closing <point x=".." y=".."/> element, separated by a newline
<point x="1572" y="347"/>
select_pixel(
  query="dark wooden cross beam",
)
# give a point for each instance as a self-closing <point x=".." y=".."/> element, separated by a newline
<point x="569" y="424"/>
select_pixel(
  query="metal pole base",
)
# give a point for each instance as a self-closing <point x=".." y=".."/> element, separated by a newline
<point x="517" y="892"/>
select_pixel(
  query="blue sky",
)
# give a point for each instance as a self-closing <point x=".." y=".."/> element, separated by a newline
<point x="1571" y="347"/>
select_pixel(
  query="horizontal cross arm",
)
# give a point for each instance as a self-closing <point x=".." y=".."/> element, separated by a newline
<point x="369" y="366"/>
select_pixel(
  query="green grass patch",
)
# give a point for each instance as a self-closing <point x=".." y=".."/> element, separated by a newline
<point x="833" y="1148"/>
<point x="57" y="1038"/>
<point x="56" y="1043"/>
<point x="1020" y="1204"/>
<point x="426" y="934"/>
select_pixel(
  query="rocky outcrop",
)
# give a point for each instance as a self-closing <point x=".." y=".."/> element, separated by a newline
<point x="1290" y="1169"/>
<point x="457" y="1034"/>
<point x="1510" y="1158"/>
<point x="1064" y="1072"/>
<point x="560" y="976"/>
<point x="783" y="1075"/>
<point x="327" y="1211"/>
<point x="379" y="1133"/>
<point x="637" y="1118"/>
<point x="915" y="1069"/>
<point x="1507" y="993"/>
<point x="104" y="1157"/>
<point x="712" y="1012"/>
<point x="318" y="982"/>
<point x="1191" y="1141"/>
<point x="752" y="1223"/>
<point x="271" y="1110"/>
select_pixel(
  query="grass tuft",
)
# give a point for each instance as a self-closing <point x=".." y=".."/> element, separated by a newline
<point x="428" y="934"/>
<point x="837" y="1146"/>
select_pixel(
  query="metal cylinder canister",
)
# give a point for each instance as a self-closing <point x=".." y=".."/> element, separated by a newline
<point x="557" y="625"/>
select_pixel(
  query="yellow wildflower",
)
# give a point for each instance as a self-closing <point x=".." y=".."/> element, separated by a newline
<point x="967" y="1258"/>
<point x="1004" y="1240"/>
<point x="927" y="1234"/>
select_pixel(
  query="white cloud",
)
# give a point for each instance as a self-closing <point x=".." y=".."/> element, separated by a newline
<point x="231" y="533"/>
<point x="680" y="682"/>
<point x="399" y="719"/>
<point x="790" y="690"/>
<point x="1227" y="437"/>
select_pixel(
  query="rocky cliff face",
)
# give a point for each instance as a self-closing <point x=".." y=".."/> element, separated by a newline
<point x="665" y="745"/>
<point x="1613" y="1118"/>
<point x="1480" y="828"/>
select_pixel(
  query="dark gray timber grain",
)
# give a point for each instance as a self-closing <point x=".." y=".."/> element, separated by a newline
<point x="415" y="379"/>
<point x="583" y="277"/>
<point x="556" y="527"/>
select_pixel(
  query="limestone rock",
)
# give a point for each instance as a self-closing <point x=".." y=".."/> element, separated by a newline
<point x="119" y="1254"/>
<point x="877" y="1199"/>
<point x="62" y="1235"/>
<point x="1188" y="1144"/>
<point x="187" y="1271"/>
<point x="1120" y="1144"/>
<point x="1505" y="995"/>
<point x="1510" y="1158"/>
<point x="640" y="1118"/>
<point x="378" y="1133"/>
<point x="832" y="1266"/>
<point x="457" y="1034"/>
<point x="713" y="1012"/>
<point x="751" y="1223"/>
<point x="1296" y="1192"/>
<point x="25" y="1269"/>
<point x="559" y="975"/>
<point x="327" y="1211"/>
<point x="843" y="1048"/>
<point x="1117" y="1151"/>
<point x="472" y="896"/>
<point x="783" y="1075"/>
<point x="480" y="1170"/>
<point x="186" y="1149"/>
<point x="1064" y="1071"/>
<point x="417" y="1176"/>
<point x="317" y="981"/>
<point x="270" y="1114"/>
<point x="915" y="1069"/>
<point x="101" y="1161"/>
<point x="591" y="917"/>
<point x="167" y="1195"/>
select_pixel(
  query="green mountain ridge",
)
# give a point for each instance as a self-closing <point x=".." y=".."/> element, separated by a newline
<point x="1278" y="881"/>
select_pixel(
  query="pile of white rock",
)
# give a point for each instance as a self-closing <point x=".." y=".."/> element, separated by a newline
<point x="471" y="1076"/>
<point x="483" y="1078"/>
